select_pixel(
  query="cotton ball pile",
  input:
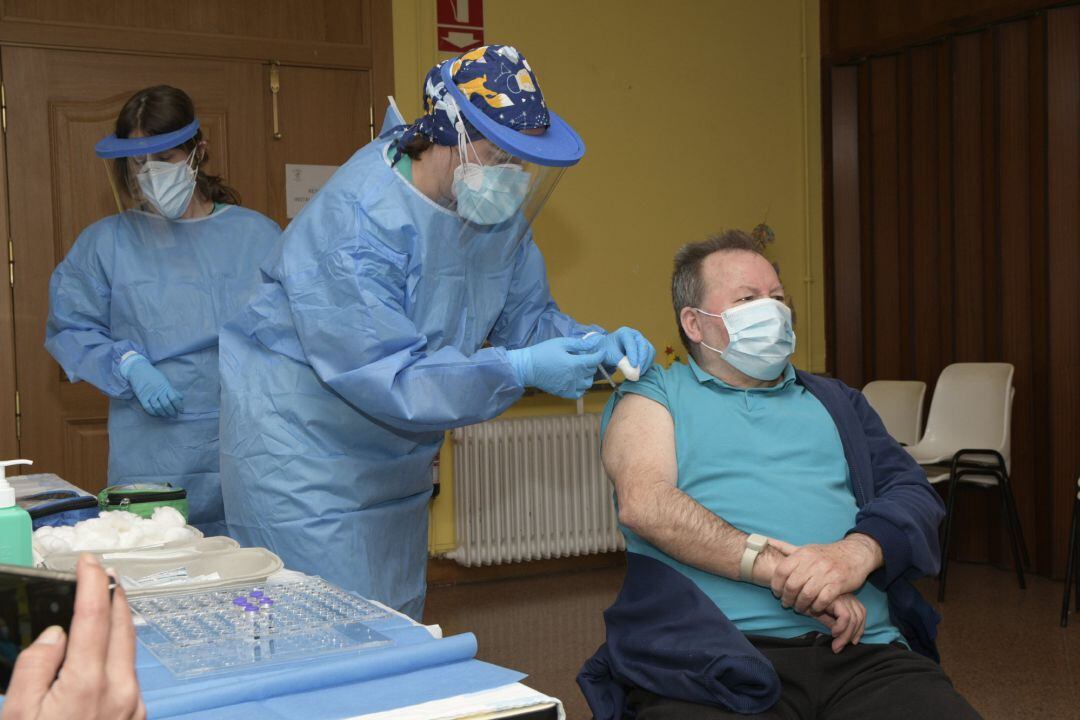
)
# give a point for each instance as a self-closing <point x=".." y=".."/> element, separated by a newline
<point x="49" y="540"/>
<point x="115" y="530"/>
<point x="168" y="516"/>
<point x="172" y="524"/>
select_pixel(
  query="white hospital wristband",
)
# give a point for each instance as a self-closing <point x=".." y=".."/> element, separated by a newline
<point x="754" y="545"/>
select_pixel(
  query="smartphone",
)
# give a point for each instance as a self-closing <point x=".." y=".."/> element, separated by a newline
<point x="30" y="601"/>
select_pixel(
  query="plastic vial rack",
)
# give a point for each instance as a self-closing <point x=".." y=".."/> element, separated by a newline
<point x="226" y="629"/>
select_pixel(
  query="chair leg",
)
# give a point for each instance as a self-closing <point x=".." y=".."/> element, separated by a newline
<point x="1015" y="517"/>
<point x="1070" y="566"/>
<point x="944" y="571"/>
<point x="1076" y="570"/>
<point x="1014" y="541"/>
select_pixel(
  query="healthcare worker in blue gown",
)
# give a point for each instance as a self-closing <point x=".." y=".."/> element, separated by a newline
<point x="407" y="298"/>
<point x="136" y="306"/>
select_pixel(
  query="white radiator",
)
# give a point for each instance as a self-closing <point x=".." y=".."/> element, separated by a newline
<point x="531" y="488"/>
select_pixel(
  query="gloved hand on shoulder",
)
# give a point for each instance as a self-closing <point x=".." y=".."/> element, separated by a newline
<point x="629" y="343"/>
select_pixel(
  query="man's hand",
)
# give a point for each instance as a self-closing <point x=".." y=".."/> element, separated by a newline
<point x="768" y="560"/>
<point x="812" y="577"/>
<point x="846" y="620"/>
<point x="844" y="616"/>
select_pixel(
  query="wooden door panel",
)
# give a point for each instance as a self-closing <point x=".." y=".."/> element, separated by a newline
<point x="1063" y="330"/>
<point x="339" y="33"/>
<point x="847" y="256"/>
<point x="324" y="116"/>
<point x="86" y="452"/>
<point x="74" y="126"/>
<point x="59" y="104"/>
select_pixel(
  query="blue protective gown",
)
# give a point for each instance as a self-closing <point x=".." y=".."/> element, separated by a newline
<point x="362" y="349"/>
<point x="162" y="288"/>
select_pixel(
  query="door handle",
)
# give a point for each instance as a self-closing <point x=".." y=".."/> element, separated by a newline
<point x="275" y="88"/>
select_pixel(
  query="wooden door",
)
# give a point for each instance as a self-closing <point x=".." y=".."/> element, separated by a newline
<point x="60" y="102"/>
<point x="324" y="116"/>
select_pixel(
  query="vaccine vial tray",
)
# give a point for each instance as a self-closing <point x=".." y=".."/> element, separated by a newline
<point x="236" y="628"/>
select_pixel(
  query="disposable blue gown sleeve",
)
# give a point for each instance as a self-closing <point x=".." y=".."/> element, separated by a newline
<point x="531" y="315"/>
<point x="349" y="312"/>
<point x="77" y="331"/>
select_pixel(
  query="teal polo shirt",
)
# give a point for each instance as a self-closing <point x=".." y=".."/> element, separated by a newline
<point x="766" y="460"/>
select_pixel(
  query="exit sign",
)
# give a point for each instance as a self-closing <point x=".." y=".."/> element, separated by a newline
<point x="460" y="25"/>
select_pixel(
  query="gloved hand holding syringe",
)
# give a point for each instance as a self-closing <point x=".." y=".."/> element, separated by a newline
<point x="618" y="348"/>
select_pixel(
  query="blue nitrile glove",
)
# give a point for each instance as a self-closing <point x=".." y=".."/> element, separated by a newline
<point x="628" y="342"/>
<point x="561" y="366"/>
<point x="155" y="394"/>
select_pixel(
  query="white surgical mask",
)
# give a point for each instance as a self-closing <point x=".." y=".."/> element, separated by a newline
<point x="760" y="338"/>
<point x="486" y="194"/>
<point x="489" y="194"/>
<point x="167" y="186"/>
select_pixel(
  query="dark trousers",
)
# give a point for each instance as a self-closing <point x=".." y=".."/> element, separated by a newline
<point x="882" y="682"/>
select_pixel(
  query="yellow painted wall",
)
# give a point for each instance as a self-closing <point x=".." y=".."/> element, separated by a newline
<point x="697" y="115"/>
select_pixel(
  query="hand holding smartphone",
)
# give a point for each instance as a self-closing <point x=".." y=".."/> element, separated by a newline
<point x="83" y="668"/>
<point x="31" y="600"/>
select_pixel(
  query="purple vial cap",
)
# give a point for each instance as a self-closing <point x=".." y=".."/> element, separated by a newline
<point x="257" y="593"/>
<point x="250" y="609"/>
<point x="241" y="601"/>
<point x="266" y="602"/>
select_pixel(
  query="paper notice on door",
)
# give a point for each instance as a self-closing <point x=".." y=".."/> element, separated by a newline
<point x="301" y="184"/>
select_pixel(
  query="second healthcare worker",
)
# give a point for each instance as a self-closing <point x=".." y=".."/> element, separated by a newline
<point x="368" y="340"/>
<point x="136" y="305"/>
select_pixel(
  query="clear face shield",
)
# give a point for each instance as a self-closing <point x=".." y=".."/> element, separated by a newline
<point x="494" y="191"/>
<point x="502" y="177"/>
<point x="154" y="173"/>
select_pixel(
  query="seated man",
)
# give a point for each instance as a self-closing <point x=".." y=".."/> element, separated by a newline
<point x="781" y="497"/>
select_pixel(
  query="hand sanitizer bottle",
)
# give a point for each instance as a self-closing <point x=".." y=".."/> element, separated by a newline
<point x="16" y="530"/>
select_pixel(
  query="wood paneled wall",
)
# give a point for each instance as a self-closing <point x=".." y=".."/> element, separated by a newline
<point x="854" y="28"/>
<point x="953" y="234"/>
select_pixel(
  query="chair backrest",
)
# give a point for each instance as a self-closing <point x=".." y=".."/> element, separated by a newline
<point x="900" y="405"/>
<point x="971" y="408"/>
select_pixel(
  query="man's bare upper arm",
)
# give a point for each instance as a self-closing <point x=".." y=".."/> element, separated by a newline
<point x="639" y="446"/>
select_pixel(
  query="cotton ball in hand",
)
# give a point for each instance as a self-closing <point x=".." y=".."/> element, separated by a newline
<point x="42" y="531"/>
<point x="169" y="517"/>
<point x="630" y="372"/>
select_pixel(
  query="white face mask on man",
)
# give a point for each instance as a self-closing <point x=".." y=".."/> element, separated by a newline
<point x="760" y="337"/>
<point x="167" y="186"/>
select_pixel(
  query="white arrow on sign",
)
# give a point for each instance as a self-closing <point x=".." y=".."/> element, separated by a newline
<point x="460" y="39"/>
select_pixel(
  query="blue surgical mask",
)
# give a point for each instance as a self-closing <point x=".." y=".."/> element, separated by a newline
<point x="489" y="194"/>
<point x="760" y="338"/>
<point x="167" y="186"/>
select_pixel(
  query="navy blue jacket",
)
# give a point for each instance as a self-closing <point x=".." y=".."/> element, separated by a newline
<point x="666" y="636"/>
